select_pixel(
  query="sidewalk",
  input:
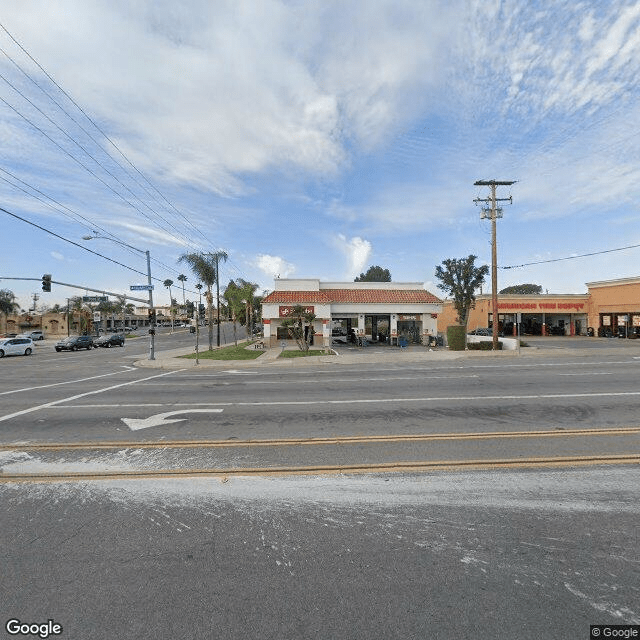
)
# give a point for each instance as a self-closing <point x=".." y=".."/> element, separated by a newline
<point x="270" y="358"/>
<point x="349" y="355"/>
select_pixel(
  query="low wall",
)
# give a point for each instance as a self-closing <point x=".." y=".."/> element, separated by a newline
<point x="508" y="344"/>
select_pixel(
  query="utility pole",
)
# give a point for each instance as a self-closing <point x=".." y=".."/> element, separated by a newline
<point x="493" y="213"/>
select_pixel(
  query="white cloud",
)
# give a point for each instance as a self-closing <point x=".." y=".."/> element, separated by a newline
<point x="274" y="266"/>
<point x="57" y="256"/>
<point x="357" y="252"/>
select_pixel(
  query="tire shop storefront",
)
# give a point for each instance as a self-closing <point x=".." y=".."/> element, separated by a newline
<point x="542" y="315"/>
<point x="615" y="307"/>
<point x="381" y="312"/>
<point x="610" y="308"/>
<point x="549" y="317"/>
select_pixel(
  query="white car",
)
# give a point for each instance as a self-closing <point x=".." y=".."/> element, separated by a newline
<point x="34" y="335"/>
<point x="16" y="347"/>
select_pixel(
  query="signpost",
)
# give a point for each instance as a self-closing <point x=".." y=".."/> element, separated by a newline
<point x="141" y="287"/>
<point x="94" y="298"/>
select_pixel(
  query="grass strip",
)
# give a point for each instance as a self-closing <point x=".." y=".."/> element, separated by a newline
<point x="228" y="353"/>
<point x="304" y="354"/>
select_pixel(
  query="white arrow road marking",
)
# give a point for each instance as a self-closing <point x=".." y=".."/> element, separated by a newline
<point x="161" y="418"/>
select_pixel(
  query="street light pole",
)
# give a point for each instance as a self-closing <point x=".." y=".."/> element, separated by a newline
<point x="152" y="331"/>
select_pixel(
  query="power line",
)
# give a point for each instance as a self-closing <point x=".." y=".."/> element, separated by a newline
<point x="582" y="255"/>
<point x="33" y="224"/>
<point x="109" y="140"/>
<point x="95" y="125"/>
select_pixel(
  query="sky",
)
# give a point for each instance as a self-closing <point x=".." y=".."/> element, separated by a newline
<point x="312" y="139"/>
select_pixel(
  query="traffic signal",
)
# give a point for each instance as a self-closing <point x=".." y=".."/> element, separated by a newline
<point x="46" y="282"/>
<point x="201" y="309"/>
<point x="152" y="316"/>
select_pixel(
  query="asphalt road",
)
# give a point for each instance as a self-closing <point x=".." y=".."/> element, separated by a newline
<point x="501" y="555"/>
<point x="517" y="552"/>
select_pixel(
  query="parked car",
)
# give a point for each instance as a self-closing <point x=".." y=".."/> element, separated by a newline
<point x="481" y="331"/>
<point x="16" y="347"/>
<point x="33" y="335"/>
<point x="115" y="340"/>
<point x="73" y="343"/>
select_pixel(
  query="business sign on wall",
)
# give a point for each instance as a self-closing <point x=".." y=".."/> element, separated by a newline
<point x="541" y="306"/>
<point x="285" y="312"/>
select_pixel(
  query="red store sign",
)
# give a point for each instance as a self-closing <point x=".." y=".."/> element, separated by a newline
<point x="285" y="312"/>
<point x="542" y="306"/>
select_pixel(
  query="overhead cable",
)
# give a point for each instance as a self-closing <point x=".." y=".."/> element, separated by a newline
<point x="582" y="255"/>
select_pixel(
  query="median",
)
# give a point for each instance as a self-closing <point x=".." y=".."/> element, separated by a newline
<point x="228" y="353"/>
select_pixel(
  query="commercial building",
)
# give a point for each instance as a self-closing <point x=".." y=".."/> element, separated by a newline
<point x="610" y="307"/>
<point x="379" y="311"/>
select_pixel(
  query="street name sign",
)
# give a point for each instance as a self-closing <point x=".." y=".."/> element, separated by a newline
<point x="141" y="287"/>
<point x="94" y="298"/>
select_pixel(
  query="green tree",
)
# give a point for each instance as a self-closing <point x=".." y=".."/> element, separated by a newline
<point x="217" y="256"/>
<point x="234" y="296"/>
<point x="81" y="315"/>
<point x="374" y="274"/>
<point x="169" y="283"/>
<point x="183" y="279"/>
<point x="8" y="304"/>
<point x="296" y="322"/>
<point x="461" y="278"/>
<point x="203" y="266"/>
<point x="523" y="289"/>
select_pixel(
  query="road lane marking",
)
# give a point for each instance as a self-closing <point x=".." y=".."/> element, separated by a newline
<point x="588" y="373"/>
<point x="385" y="467"/>
<point x="328" y="440"/>
<point x="315" y="380"/>
<point x="276" y="403"/>
<point x="57" y="384"/>
<point x="159" y="419"/>
<point x="82" y="395"/>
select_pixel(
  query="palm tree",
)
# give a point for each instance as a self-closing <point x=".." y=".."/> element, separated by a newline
<point x="169" y="283"/>
<point x="233" y="295"/>
<point x="204" y="267"/>
<point x="183" y="279"/>
<point x="248" y="292"/>
<point x="8" y="304"/>
<point x="217" y="256"/>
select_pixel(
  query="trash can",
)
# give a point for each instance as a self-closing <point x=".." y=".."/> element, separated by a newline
<point x="192" y="329"/>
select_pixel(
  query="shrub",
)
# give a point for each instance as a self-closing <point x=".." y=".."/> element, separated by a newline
<point x="485" y="345"/>
<point x="456" y="337"/>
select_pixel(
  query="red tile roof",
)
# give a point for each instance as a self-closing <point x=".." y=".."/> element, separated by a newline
<point x="361" y="296"/>
<point x="296" y="297"/>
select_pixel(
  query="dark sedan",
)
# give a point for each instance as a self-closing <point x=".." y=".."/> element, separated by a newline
<point x="73" y="343"/>
<point x="115" y="340"/>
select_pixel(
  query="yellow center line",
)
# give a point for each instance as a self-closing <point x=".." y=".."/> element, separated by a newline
<point x="333" y="440"/>
<point x="411" y="466"/>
